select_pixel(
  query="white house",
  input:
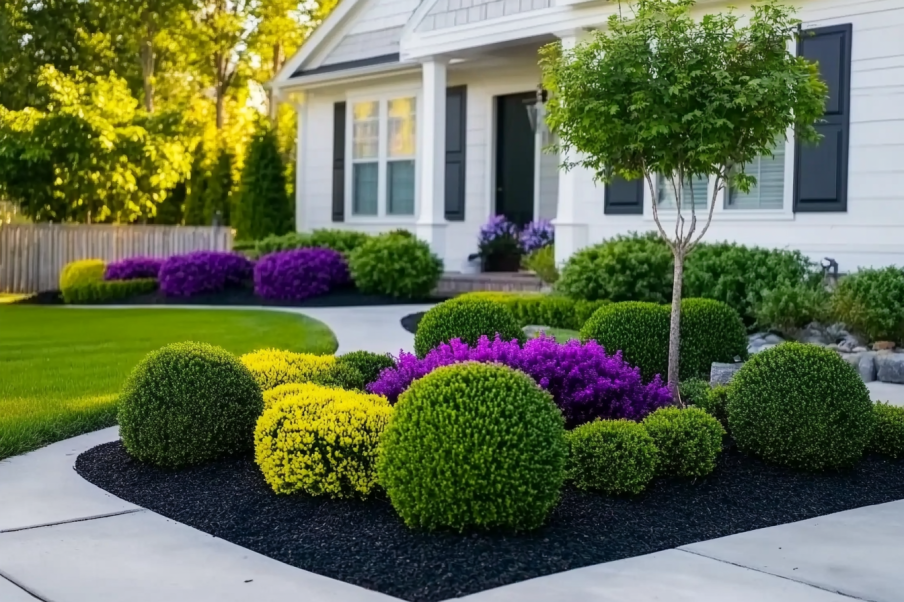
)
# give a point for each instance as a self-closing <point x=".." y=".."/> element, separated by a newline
<point x="422" y="114"/>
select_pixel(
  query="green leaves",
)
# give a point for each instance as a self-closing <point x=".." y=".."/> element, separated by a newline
<point x="467" y="319"/>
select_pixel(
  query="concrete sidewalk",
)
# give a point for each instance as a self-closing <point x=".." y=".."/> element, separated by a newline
<point x="65" y="540"/>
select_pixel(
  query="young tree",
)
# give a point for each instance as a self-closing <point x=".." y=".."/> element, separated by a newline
<point x="218" y="196"/>
<point x="263" y="207"/>
<point x="659" y="94"/>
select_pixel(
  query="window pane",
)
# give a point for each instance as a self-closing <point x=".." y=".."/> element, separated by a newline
<point x="401" y="125"/>
<point x="365" y="130"/>
<point x="667" y="193"/>
<point x="401" y="187"/>
<point x="364" y="189"/>
<point x="769" y="192"/>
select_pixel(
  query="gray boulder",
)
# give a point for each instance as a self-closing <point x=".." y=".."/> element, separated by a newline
<point x="721" y="374"/>
<point x="773" y="339"/>
<point x="890" y="367"/>
<point x="816" y="333"/>
<point x="867" y="367"/>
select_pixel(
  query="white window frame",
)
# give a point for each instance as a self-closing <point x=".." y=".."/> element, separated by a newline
<point x="382" y="98"/>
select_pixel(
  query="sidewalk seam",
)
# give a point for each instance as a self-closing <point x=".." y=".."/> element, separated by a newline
<point x="74" y="520"/>
<point x="825" y="589"/>
<point x="22" y="587"/>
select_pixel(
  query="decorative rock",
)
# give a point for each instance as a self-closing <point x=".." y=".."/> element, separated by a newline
<point x="757" y="336"/>
<point x="834" y="347"/>
<point x="860" y="349"/>
<point x="721" y="374"/>
<point x="816" y="333"/>
<point x="848" y="344"/>
<point x="883" y="345"/>
<point x="890" y="367"/>
<point x="773" y="339"/>
<point x="867" y="367"/>
<point x="534" y="331"/>
<point x="851" y="358"/>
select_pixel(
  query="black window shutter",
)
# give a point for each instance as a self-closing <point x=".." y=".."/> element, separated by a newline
<point x="456" y="126"/>
<point x="339" y="162"/>
<point x="821" y="170"/>
<point x="624" y="197"/>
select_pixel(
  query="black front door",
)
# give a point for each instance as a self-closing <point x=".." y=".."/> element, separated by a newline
<point x="514" y="158"/>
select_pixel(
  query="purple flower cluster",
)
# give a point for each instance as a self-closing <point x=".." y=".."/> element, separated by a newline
<point x="585" y="382"/>
<point x="536" y="235"/>
<point x="497" y="228"/>
<point x="134" y="268"/>
<point x="300" y="273"/>
<point x="203" y="272"/>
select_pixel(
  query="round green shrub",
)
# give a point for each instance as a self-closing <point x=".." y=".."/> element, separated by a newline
<point x="888" y="434"/>
<point x="342" y="376"/>
<point x="689" y="441"/>
<point x="188" y="403"/>
<point x="612" y="456"/>
<point x="801" y="406"/>
<point x="367" y="363"/>
<point x="694" y="391"/>
<point x="711" y="331"/>
<point x="869" y="302"/>
<point x="397" y="266"/>
<point x="636" y="267"/>
<point x="715" y="403"/>
<point x="474" y="445"/>
<point x="465" y="319"/>
<point x="639" y="330"/>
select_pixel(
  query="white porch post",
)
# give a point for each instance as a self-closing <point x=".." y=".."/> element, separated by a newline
<point x="431" y="218"/>
<point x="580" y="201"/>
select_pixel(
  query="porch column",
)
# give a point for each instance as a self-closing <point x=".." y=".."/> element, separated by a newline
<point x="580" y="202"/>
<point x="431" y="217"/>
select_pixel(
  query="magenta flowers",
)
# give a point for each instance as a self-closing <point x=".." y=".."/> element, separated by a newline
<point x="585" y="382"/>
<point x="299" y="274"/>
<point x="203" y="272"/>
<point x="134" y="268"/>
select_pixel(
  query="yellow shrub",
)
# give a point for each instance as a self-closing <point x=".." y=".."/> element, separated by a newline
<point x="277" y="394"/>
<point x="84" y="271"/>
<point x="321" y="441"/>
<point x="272" y="367"/>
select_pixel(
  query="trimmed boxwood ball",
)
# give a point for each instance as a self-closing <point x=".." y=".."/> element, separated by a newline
<point x="474" y="445"/>
<point x="639" y="330"/>
<point x="395" y="265"/>
<point x="711" y="331"/>
<point x="801" y="406"/>
<point x="689" y="441"/>
<point x="369" y="364"/>
<point x="188" y="403"/>
<point x="468" y="320"/>
<point x="888" y="435"/>
<point x="612" y="456"/>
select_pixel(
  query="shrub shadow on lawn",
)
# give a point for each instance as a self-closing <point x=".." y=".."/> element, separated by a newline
<point x="366" y="544"/>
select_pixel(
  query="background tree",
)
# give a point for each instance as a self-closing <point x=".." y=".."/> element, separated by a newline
<point x="197" y="189"/>
<point x="170" y="211"/>
<point x="218" y="196"/>
<point x="263" y="207"/>
<point x="660" y="94"/>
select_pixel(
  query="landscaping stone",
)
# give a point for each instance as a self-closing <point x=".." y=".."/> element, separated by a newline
<point x="773" y="339"/>
<point x="721" y="374"/>
<point x="815" y="333"/>
<point x="890" y="367"/>
<point x="867" y="367"/>
<point x="883" y="346"/>
<point x="860" y="349"/>
<point x="534" y="331"/>
<point x="851" y="358"/>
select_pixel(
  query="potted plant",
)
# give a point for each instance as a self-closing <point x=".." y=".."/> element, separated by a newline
<point x="499" y="245"/>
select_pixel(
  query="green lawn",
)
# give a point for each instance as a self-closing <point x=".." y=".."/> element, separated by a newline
<point x="61" y="368"/>
<point x="562" y="335"/>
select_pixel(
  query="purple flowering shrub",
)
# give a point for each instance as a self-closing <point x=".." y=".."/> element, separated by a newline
<point x="300" y="273"/>
<point x="203" y="272"/>
<point x="585" y="382"/>
<point x="134" y="268"/>
<point x="536" y="235"/>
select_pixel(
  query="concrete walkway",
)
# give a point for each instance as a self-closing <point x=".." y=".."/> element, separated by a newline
<point x="65" y="540"/>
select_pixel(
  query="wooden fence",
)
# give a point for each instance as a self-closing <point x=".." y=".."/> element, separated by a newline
<point x="32" y="255"/>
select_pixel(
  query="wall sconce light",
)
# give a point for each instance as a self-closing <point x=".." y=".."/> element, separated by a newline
<point x="536" y="112"/>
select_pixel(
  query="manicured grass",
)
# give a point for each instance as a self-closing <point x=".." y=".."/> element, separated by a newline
<point x="61" y="368"/>
<point x="562" y="335"/>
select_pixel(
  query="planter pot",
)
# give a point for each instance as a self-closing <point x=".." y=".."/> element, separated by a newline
<point x="499" y="262"/>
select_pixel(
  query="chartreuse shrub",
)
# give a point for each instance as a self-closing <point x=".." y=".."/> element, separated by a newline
<point x="801" y="406"/>
<point x="639" y="330"/>
<point x="888" y="434"/>
<point x="539" y="309"/>
<point x="612" y="456"/>
<point x="108" y="290"/>
<point x="869" y="301"/>
<point x="689" y="441"/>
<point x="272" y="367"/>
<point x="368" y="364"/>
<point x="465" y="319"/>
<point x="188" y="403"/>
<point x="474" y="445"/>
<point x="321" y="441"/>
<point x="80" y="272"/>
<point x="395" y="265"/>
<point x="711" y="331"/>
<point x="543" y="263"/>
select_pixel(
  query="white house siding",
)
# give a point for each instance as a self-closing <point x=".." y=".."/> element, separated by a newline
<point x="871" y="232"/>
<point x="376" y="31"/>
<point x="452" y="13"/>
<point x="548" y="185"/>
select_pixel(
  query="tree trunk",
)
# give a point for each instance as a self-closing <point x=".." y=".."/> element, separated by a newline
<point x="148" y="64"/>
<point x="675" y="326"/>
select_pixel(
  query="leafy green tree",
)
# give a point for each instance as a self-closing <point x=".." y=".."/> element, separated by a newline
<point x="197" y="189"/>
<point x="89" y="156"/>
<point x="659" y="92"/>
<point x="263" y="207"/>
<point x="169" y="212"/>
<point x="218" y="196"/>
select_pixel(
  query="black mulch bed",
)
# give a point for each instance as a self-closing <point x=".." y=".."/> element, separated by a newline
<point x="411" y="321"/>
<point x="364" y="543"/>
<point x="340" y="298"/>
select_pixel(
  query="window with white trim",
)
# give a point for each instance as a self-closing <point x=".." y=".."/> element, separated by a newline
<point x="700" y="192"/>
<point x="769" y="192"/>
<point x="384" y="145"/>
